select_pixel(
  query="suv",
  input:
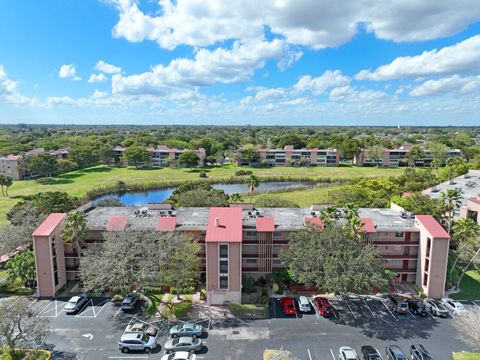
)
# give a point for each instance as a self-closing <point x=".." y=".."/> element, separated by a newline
<point x="304" y="304"/>
<point x="417" y="307"/>
<point x="370" y="353"/>
<point x="129" y="302"/>
<point x="398" y="304"/>
<point x="140" y="342"/>
<point x="418" y="352"/>
<point x="394" y="353"/>
<point x="454" y="306"/>
<point x="436" y="307"/>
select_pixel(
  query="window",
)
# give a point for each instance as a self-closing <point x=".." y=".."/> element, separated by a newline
<point x="277" y="234"/>
<point x="429" y="245"/>
<point x="250" y="261"/>
<point x="223" y="267"/>
<point x="399" y="234"/>
<point x="425" y="279"/>
<point x="276" y="261"/>
<point x="276" y="249"/>
<point x="251" y="233"/>
<point x="224" y="282"/>
<point x="224" y="251"/>
<point x="250" y="248"/>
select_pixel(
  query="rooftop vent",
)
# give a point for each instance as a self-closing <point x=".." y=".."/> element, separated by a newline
<point x="217" y="222"/>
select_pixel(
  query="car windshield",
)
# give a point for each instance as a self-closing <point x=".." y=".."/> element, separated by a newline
<point x="145" y="338"/>
<point x="460" y="306"/>
<point x="402" y="305"/>
<point x="175" y="341"/>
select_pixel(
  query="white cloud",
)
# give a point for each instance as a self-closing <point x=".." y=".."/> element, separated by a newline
<point x="8" y="91"/>
<point x="313" y="23"/>
<point x="270" y="94"/>
<point x="349" y="93"/>
<point x="461" y="57"/>
<point x="104" y="67"/>
<point x="206" y="68"/>
<point x="450" y="84"/>
<point x="97" y="78"/>
<point x="68" y="71"/>
<point x="321" y="84"/>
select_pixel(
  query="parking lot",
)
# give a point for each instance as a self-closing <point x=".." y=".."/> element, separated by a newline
<point x="93" y="332"/>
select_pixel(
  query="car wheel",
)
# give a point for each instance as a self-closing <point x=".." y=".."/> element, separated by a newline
<point x="194" y="336"/>
<point x="169" y="351"/>
<point x="174" y="335"/>
<point x="147" y="350"/>
<point x="125" y="350"/>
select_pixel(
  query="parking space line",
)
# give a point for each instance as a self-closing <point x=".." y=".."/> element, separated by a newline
<point x="118" y="311"/>
<point x="366" y="304"/>
<point x="45" y="310"/>
<point x="333" y="356"/>
<point x="309" y="356"/>
<point x="386" y="307"/>
<point x="476" y="302"/>
<point x="413" y="316"/>
<point x="99" y="311"/>
<point x="128" y="357"/>
<point x="355" y="316"/>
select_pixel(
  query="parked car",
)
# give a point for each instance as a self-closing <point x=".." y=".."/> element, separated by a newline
<point x="76" y="303"/>
<point x="370" y="353"/>
<point x="435" y="307"/>
<point x="418" y="352"/>
<point x="184" y="343"/>
<point x="186" y="329"/>
<point x="394" y="352"/>
<point x="143" y="328"/>
<point x="288" y="306"/>
<point x="137" y="342"/>
<point x="347" y="353"/>
<point x="454" y="306"/>
<point x="304" y="304"/>
<point x="324" y="307"/>
<point x="417" y="307"/>
<point x="129" y="301"/>
<point x="398" y="304"/>
<point x="180" y="355"/>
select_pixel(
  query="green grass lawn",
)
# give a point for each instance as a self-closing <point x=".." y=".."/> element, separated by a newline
<point x="79" y="182"/>
<point x="466" y="356"/>
<point x="304" y="198"/>
<point x="470" y="287"/>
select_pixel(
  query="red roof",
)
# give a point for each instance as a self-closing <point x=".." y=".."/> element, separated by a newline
<point x="315" y="221"/>
<point x="368" y="225"/>
<point x="475" y="200"/>
<point x="229" y="221"/>
<point x="265" y="224"/>
<point x="117" y="223"/>
<point x="432" y="226"/>
<point x="49" y="224"/>
<point x="262" y="150"/>
<point x="13" y="157"/>
<point x="168" y="223"/>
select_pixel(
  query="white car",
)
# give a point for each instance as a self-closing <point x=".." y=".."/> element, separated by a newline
<point x="180" y="355"/>
<point x="76" y="303"/>
<point x="347" y="353"/>
<point x="304" y="304"/>
<point x="137" y="342"/>
<point x="454" y="306"/>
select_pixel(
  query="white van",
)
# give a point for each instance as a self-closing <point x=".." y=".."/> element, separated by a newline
<point x="304" y="304"/>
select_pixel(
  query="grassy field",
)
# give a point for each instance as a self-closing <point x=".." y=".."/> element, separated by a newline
<point x="466" y="356"/>
<point x="470" y="287"/>
<point x="304" y="198"/>
<point x="79" y="182"/>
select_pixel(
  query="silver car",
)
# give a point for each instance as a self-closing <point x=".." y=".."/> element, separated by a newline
<point x="76" y="303"/>
<point x="181" y="355"/>
<point x="186" y="329"/>
<point x="137" y="342"/>
<point x="435" y="307"/>
<point x="184" y="343"/>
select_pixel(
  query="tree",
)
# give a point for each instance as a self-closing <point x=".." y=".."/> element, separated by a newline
<point x="189" y="159"/>
<point x="465" y="231"/>
<point x="290" y="139"/>
<point x="349" y="147"/>
<point x="235" y="198"/>
<point x="5" y="181"/>
<point x="375" y="152"/>
<point x="106" y="155"/>
<point x="330" y="260"/>
<point x="22" y="267"/>
<point x="75" y="229"/>
<point x="253" y="182"/>
<point x="452" y="200"/>
<point x="203" y="198"/>
<point x="83" y="155"/>
<point x="418" y="203"/>
<point x="415" y="153"/>
<point x="248" y="153"/>
<point x="181" y="269"/>
<point x="21" y="325"/>
<point x="109" y="202"/>
<point x="66" y="165"/>
<point x="329" y="215"/>
<point x="136" y="154"/>
<point x="468" y="329"/>
<point x="268" y="201"/>
<point x="439" y="153"/>
<point x="43" y="164"/>
<point x="125" y="260"/>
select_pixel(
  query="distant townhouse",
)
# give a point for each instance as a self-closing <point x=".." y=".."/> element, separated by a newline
<point x="241" y="241"/>
<point x="160" y="156"/>
<point x="289" y="156"/>
<point x="14" y="165"/>
<point x="399" y="157"/>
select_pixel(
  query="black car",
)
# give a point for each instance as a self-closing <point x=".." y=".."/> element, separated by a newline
<point x="395" y="353"/>
<point x="129" y="302"/>
<point x="370" y="353"/>
<point x="417" y="307"/>
<point x="418" y="352"/>
<point x="398" y="304"/>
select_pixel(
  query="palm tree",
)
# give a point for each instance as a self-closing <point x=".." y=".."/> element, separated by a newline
<point x="253" y="181"/>
<point x="350" y="211"/>
<point x="235" y="198"/>
<point x="353" y="227"/>
<point x="464" y="232"/>
<point x="328" y="215"/>
<point x="75" y="229"/>
<point x="452" y="201"/>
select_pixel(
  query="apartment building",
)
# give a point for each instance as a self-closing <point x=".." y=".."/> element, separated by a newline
<point x="399" y="157"/>
<point x="241" y="241"/>
<point x="160" y="156"/>
<point x="15" y="167"/>
<point x="289" y="156"/>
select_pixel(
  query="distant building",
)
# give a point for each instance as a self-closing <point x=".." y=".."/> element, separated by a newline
<point x="160" y="156"/>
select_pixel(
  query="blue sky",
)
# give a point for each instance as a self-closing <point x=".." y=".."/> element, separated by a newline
<point x="305" y="62"/>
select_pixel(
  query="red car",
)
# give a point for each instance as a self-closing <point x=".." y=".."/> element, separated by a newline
<point x="324" y="307"/>
<point x="288" y="307"/>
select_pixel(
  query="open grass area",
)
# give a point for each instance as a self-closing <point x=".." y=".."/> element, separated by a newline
<point x="249" y="311"/>
<point x="466" y="356"/>
<point x="304" y="198"/>
<point x="470" y="287"/>
<point x="79" y="182"/>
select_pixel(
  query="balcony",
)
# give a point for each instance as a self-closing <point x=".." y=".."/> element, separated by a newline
<point x="406" y="257"/>
<point x="71" y="254"/>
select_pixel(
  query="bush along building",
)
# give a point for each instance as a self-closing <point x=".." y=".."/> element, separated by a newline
<point x="240" y="240"/>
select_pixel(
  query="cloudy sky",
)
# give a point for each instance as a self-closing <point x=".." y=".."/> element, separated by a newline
<point x="292" y="62"/>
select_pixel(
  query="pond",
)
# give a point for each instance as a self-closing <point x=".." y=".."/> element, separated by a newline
<point x="134" y="198"/>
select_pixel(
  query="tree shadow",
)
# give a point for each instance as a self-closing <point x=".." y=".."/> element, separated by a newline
<point x="197" y="170"/>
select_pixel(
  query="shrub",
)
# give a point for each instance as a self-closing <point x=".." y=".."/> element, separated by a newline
<point x="117" y="297"/>
<point x="243" y="172"/>
<point x="184" y="290"/>
<point x="202" y="174"/>
<point x="203" y="294"/>
<point x="182" y="309"/>
<point x="249" y="285"/>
